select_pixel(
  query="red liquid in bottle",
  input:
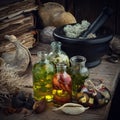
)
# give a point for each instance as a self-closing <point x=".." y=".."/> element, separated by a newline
<point x="62" y="86"/>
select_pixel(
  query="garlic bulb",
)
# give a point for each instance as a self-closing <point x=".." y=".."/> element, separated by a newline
<point x="72" y="108"/>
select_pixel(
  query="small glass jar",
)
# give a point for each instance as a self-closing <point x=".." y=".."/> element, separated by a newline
<point x="57" y="55"/>
<point x="79" y="72"/>
<point x="43" y="72"/>
<point x="62" y="86"/>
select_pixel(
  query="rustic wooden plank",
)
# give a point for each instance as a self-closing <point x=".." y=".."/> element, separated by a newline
<point x="106" y="71"/>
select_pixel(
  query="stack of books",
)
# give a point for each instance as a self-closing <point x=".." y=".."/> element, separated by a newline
<point x="18" y="19"/>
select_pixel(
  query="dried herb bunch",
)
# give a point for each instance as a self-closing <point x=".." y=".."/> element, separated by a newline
<point x="10" y="81"/>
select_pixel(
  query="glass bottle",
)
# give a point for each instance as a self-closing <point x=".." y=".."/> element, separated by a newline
<point x="79" y="72"/>
<point x="57" y="55"/>
<point x="62" y="86"/>
<point x="43" y="72"/>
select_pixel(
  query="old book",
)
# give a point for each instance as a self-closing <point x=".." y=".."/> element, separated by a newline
<point x="17" y="8"/>
<point x="27" y="39"/>
<point x="17" y="26"/>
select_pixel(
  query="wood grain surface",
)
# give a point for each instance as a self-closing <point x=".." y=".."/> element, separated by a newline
<point x="106" y="71"/>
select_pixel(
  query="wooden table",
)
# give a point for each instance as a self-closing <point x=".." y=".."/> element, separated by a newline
<point x="106" y="71"/>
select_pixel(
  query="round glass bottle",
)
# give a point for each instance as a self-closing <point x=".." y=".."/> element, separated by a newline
<point x="43" y="73"/>
<point x="79" y="72"/>
<point x="62" y="86"/>
<point x="57" y="55"/>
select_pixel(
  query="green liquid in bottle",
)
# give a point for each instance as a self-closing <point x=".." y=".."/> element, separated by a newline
<point x="42" y="80"/>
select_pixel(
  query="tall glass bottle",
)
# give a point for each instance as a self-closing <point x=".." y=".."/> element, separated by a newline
<point x="57" y="55"/>
<point x="79" y="72"/>
<point x="43" y="72"/>
<point x="62" y="86"/>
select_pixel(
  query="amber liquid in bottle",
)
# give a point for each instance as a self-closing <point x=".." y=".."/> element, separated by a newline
<point x="62" y="86"/>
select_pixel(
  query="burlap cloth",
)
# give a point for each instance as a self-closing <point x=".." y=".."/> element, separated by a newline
<point x="27" y="80"/>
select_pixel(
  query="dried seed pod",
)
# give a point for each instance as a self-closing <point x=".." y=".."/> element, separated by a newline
<point x="39" y="106"/>
<point x="9" y="110"/>
<point x="18" y="100"/>
<point x="29" y="102"/>
<point x="72" y="108"/>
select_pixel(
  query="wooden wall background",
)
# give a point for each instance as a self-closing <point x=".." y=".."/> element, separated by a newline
<point x="87" y="9"/>
<point x="90" y="9"/>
